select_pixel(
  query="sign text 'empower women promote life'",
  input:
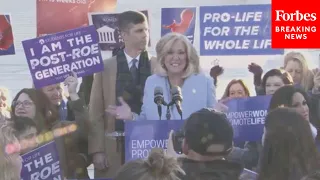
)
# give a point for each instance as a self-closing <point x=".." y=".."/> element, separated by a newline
<point x="142" y="136"/>
<point x="52" y="58"/>
<point x="246" y="115"/>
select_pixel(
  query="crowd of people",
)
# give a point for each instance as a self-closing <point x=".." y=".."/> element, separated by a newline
<point x="92" y="118"/>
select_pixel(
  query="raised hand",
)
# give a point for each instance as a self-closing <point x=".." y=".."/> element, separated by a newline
<point x="72" y="83"/>
<point x="216" y="71"/>
<point x="220" y="105"/>
<point x="255" y="69"/>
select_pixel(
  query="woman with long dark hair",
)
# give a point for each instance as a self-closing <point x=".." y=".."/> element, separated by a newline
<point x="289" y="151"/>
<point x="296" y="98"/>
<point x="273" y="80"/>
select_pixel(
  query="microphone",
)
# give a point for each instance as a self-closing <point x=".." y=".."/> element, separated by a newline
<point x="177" y="98"/>
<point x="158" y="99"/>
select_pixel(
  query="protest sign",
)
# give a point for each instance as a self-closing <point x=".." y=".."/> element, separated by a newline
<point x="178" y="20"/>
<point x="52" y="58"/>
<point x="142" y="136"/>
<point x="61" y="15"/>
<point x="42" y="163"/>
<point x="108" y="30"/>
<point x="247" y="116"/>
<point x="236" y="30"/>
<point x="6" y="36"/>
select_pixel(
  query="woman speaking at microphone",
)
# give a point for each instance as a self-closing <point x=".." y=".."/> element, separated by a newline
<point x="177" y="67"/>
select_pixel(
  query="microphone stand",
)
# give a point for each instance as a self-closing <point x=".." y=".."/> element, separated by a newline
<point x="160" y="111"/>
<point x="168" y="115"/>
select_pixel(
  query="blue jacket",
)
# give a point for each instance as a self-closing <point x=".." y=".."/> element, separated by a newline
<point x="197" y="91"/>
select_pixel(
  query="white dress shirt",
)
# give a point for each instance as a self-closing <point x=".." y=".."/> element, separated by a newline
<point x="129" y="60"/>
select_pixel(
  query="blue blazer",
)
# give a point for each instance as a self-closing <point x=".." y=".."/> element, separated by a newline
<point x="197" y="91"/>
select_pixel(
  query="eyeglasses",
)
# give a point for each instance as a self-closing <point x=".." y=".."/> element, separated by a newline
<point x="24" y="103"/>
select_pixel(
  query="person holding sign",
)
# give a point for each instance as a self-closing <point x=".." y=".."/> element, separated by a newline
<point x="57" y="97"/>
<point x="66" y="109"/>
<point x="177" y="66"/>
<point x="244" y="152"/>
<point x="67" y="135"/>
<point x="235" y="89"/>
<point x="124" y="76"/>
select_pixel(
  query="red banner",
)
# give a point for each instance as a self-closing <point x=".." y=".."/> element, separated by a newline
<point x="60" y="15"/>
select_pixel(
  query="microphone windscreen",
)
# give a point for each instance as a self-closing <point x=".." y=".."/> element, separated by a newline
<point x="176" y="92"/>
<point x="158" y="90"/>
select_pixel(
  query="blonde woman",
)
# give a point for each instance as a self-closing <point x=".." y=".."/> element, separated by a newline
<point x="157" y="167"/>
<point x="177" y="66"/>
<point x="10" y="160"/>
<point x="4" y="105"/>
<point x="296" y="64"/>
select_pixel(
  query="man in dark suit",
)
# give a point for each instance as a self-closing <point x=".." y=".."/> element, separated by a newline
<point x="124" y="76"/>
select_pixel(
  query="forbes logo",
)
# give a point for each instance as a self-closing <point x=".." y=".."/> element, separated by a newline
<point x="281" y="15"/>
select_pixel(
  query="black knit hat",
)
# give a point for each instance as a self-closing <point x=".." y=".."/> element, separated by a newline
<point x="206" y="131"/>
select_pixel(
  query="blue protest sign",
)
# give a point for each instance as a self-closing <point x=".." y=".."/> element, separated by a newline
<point x="51" y="58"/>
<point x="42" y="163"/>
<point x="178" y="20"/>
<point x="236" y="30"/>
<point x="142" y="136"/>
<point x="247" y="116"/>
